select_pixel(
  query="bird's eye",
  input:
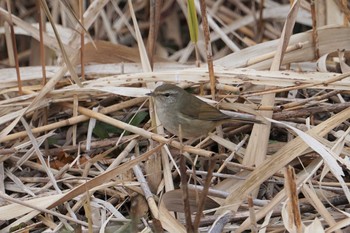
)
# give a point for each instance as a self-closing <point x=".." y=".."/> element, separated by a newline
<point x="167" y="94"/>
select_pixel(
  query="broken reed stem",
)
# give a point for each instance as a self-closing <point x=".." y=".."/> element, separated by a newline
<point x="14" y="47"/>
<point x="82" y="40"/>
<point x="292" y="201"/>
<point x="204" y="195"/>
<point x="208" y="47"/>
<point x="301" y="86"/>
<point x="290" y="114"/>
<point x="313" y="98"/>
<point x="185" y="196"/>
<point x="146" y="190"/>
<point x="253" y="224"/>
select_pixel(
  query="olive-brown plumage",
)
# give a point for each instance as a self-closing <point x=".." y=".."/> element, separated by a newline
<point x="175" y="107"/>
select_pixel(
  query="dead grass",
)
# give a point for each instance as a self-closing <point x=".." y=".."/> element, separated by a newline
<point x="81" y="148"/>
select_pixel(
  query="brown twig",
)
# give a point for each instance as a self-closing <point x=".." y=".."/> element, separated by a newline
<point x="204" y="195"/>
<point x="284" y="115"/>
<point x="14" y="47"/>
<point x="185" y="196"/>
<point x="208" y="47"/>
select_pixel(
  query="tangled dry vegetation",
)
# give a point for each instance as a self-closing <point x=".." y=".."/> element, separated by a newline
<point x="81" y="148"/>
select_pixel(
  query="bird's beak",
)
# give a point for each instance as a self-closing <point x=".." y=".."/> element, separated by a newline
<point x="150" y="94"/>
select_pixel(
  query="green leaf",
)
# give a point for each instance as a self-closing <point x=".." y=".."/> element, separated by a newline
<point x="192" y="20"/>
<point x="138" y="118"/>
<point x="102" y="130"/>
<point x="52" y="140"/>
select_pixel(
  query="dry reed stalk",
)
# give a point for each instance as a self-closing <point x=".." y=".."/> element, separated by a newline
<point x="302" y="177"/>
<point x="283" y="156"/>
<point x="95" y="175"/>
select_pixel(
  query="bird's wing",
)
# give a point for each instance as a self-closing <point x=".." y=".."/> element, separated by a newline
<point x="198" y="109"/>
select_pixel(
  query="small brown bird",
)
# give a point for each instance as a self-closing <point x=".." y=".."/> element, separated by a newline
<point x="175" y="107"/>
